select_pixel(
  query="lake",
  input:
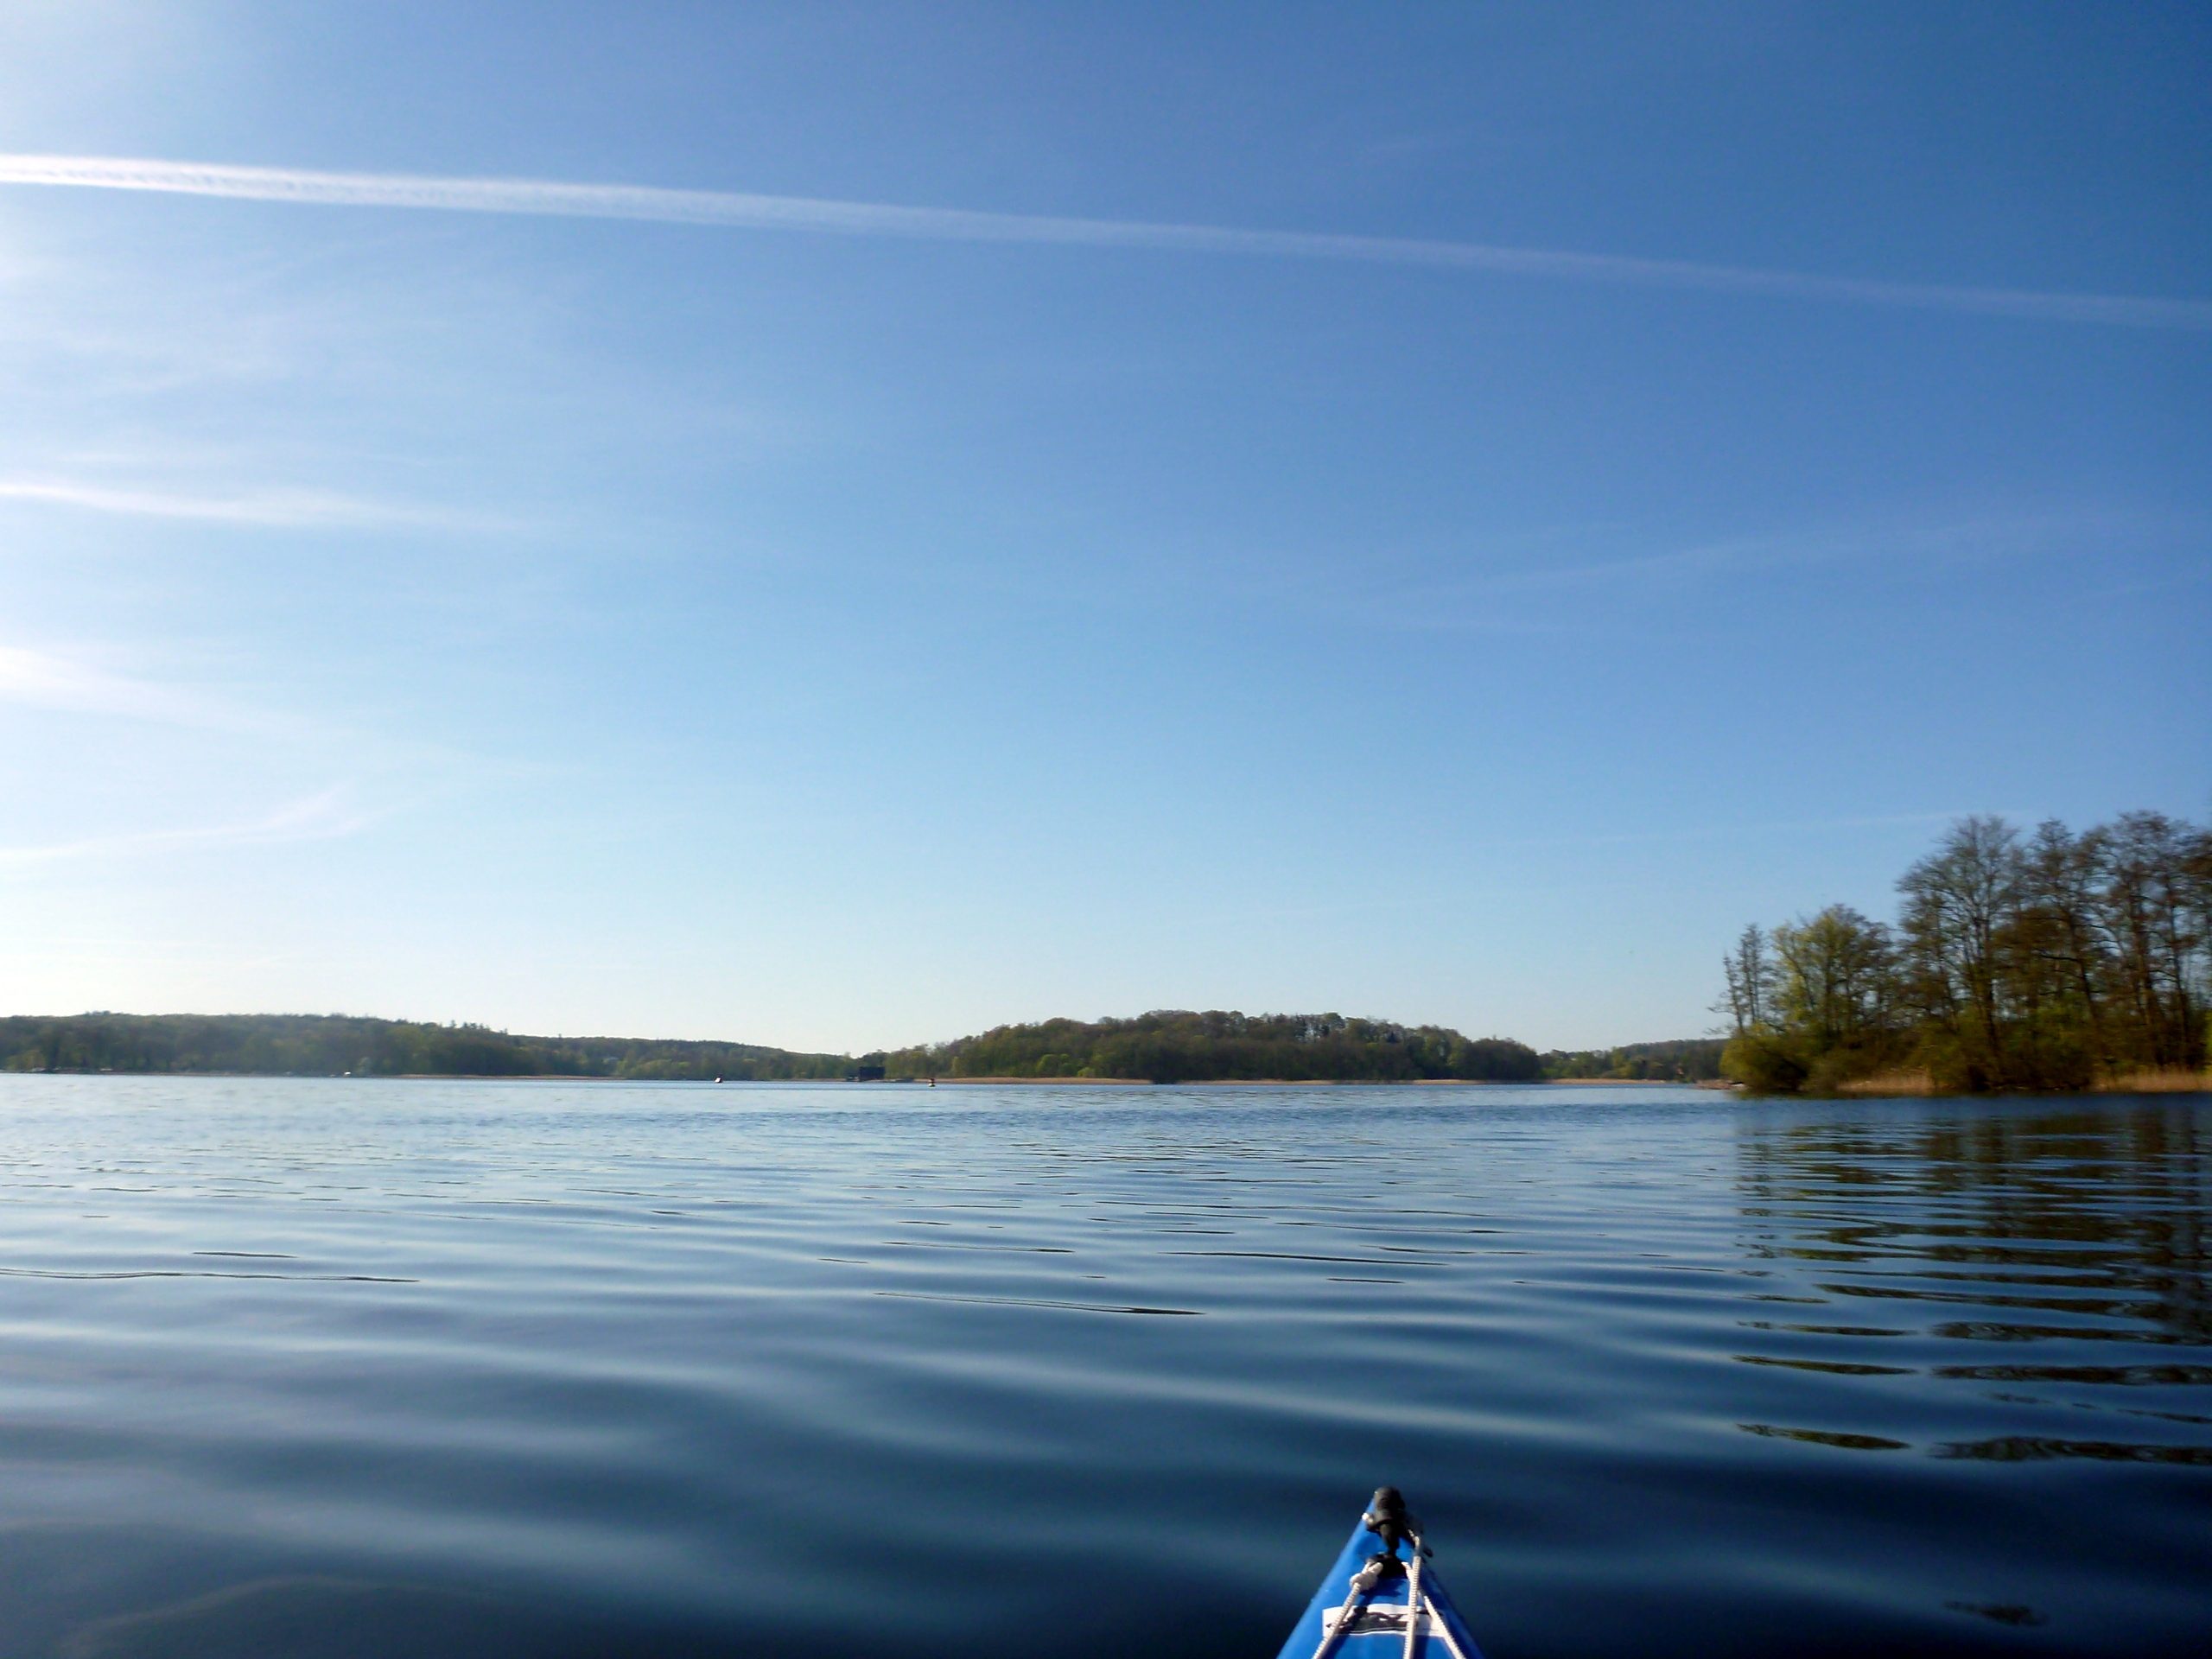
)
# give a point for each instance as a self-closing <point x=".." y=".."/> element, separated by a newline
<point x="332" y="1367"/>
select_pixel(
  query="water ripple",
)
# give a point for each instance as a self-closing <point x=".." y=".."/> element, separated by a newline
<point x="534" y="1370"/>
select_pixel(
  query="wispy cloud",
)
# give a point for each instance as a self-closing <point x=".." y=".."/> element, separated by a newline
<point x="753" y="211"/>
<point x="43" y="679"/>
<point x="324" y="816"/>
<point x="60" y="683"/>
<point x="1900" y="545"/>
<point x="276" y="509"/>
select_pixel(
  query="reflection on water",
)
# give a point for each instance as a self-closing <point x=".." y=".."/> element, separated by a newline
<point x="2018" y="1212"/>
<point x="325" y="1368"/>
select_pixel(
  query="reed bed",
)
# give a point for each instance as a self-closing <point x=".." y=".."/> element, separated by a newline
<point x="2171" y="1080"/>
<point x="1909" y="1080"/>
<point x="1901" y="1081"/>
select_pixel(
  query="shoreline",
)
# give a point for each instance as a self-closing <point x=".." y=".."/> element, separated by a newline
<point x="907" y="1083"/>
<point x="1871" y="1089"/>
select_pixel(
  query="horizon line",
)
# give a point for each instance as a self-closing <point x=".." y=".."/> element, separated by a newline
<point x="814" y="1053"/>
<point x="830" y="216"/>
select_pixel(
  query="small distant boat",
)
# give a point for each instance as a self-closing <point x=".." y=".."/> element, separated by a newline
<point x="1381" y="1597"/>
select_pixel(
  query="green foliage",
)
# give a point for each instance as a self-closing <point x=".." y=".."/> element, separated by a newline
<point x="1175" y="1045"/>
<point x="1766" y="1062"/>
<point x="1168" y="1047"/>
<point x="1835" y="977"/>
<point x="2047" y="962"/>
<point x="1688" y="1059"/>
<point x="335" y="1045"/>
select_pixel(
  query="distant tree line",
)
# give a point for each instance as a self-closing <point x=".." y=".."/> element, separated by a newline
<point x="2045" y="961"/>
<point x="1686" y="1059"/>
<point x="1176" y="1046"/>
<point x="1169" y="1046"/>
<point x="336" y="1044"/>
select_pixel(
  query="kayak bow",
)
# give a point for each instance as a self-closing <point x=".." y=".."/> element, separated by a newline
<point x="1377" y="1601"/>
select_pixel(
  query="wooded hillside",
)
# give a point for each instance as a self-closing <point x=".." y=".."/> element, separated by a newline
<point x="334" y="1044"/>
<point x="1177" y="1046"/>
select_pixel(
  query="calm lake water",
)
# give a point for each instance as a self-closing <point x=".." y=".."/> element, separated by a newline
<point x="351" y="1368"/>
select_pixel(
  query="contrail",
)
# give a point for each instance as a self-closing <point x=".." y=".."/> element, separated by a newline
<point x="630" y="201"/>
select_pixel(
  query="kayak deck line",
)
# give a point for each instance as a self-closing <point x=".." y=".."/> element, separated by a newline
<point x="1376" y="1602"/>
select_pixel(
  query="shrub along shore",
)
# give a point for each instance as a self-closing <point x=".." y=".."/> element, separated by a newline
<point x="2045" y="961"/>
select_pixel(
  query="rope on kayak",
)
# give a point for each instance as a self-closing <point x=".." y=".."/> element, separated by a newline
<point x="1364" y="1582"/>
<point x="1413" y="1599"/>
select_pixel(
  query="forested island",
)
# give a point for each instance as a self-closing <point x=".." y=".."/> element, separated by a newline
<point x="2043" y="961"/>
<point x="1178" y="1046"/>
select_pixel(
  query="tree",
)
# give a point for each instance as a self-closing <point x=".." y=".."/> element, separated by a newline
<point x="1958" y="901"/>
<point x="1749" y="970"/>
<point x="2059" y="931"/>
<point x="2044" y="964"/>
<point x="1833" y="980"/>
<point x="1829" y="1004"/>
<point x="2153" y="910"/>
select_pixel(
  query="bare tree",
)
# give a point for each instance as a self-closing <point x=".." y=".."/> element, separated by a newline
<point x="2061" y="875"/>
<point x="2152" y="912"/>
<point x="1749" y="970"/>
<point x="1957" y="902"/>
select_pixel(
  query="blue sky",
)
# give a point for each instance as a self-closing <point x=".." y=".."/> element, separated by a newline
<point x="826" y="625"/>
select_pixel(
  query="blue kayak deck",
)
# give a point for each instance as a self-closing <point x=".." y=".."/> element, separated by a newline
<point x="1378" y="1623"/>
